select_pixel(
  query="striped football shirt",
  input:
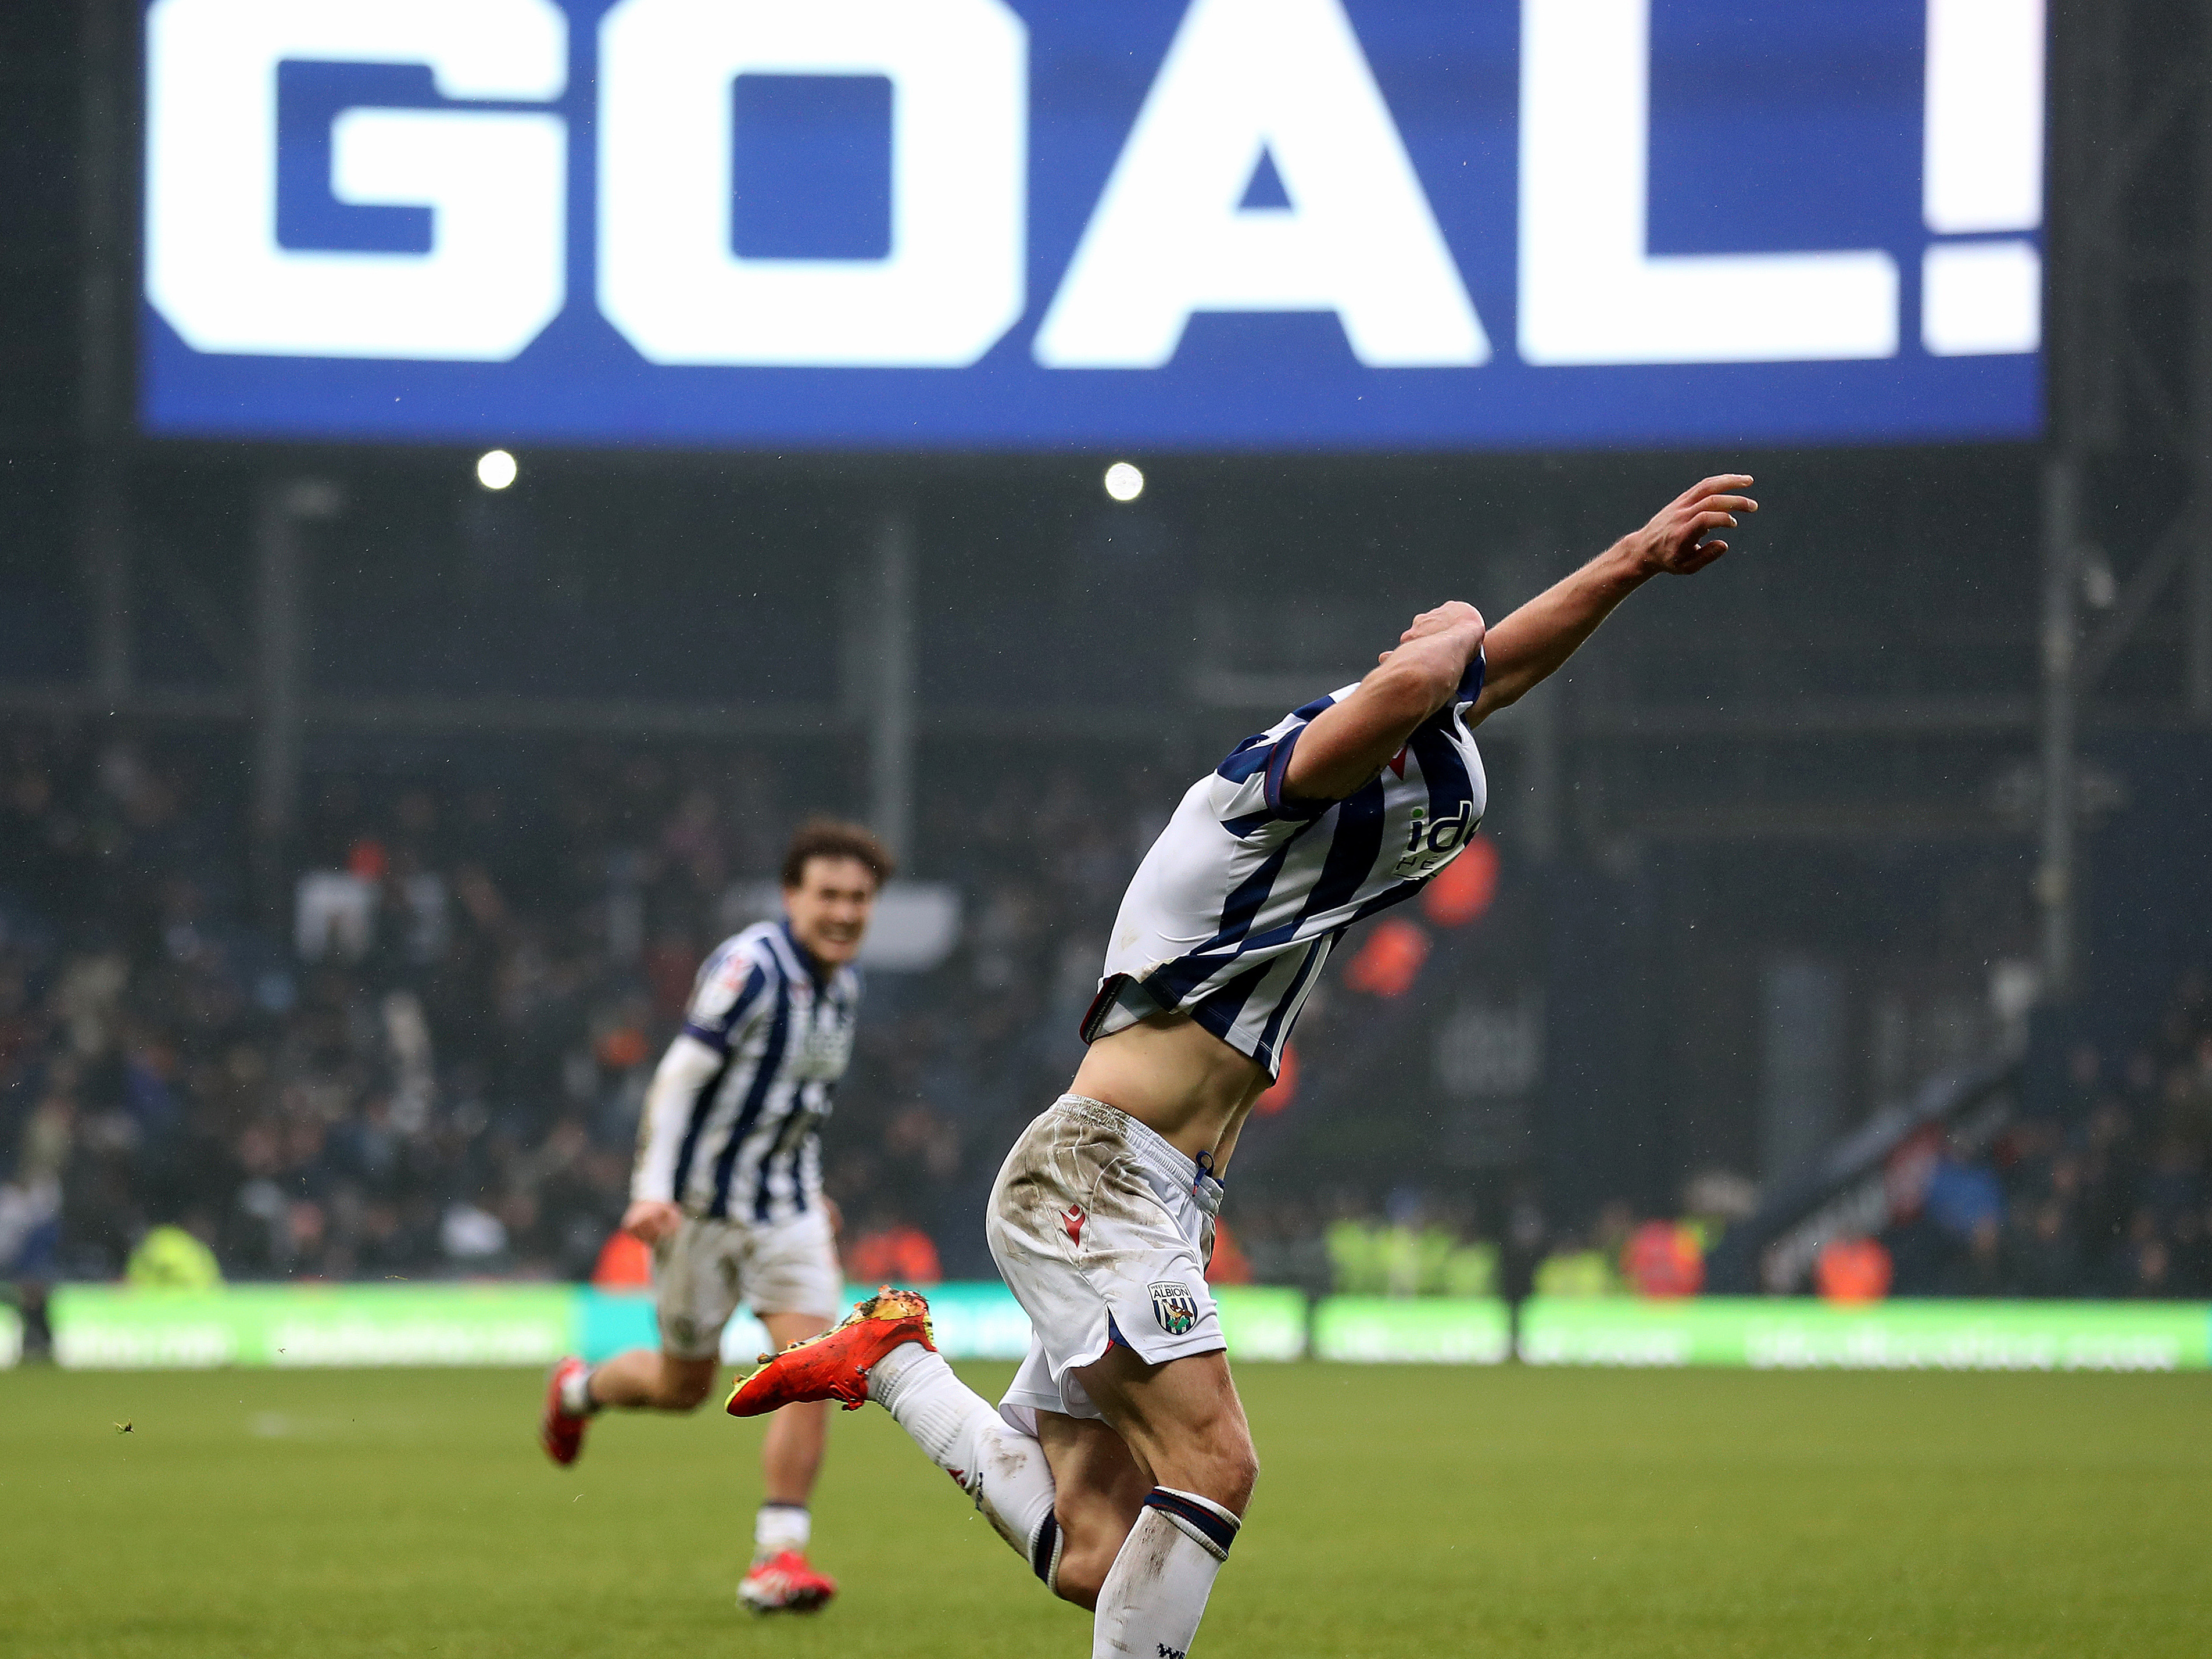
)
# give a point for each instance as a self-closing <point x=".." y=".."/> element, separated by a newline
<point x="743" y="1147"/>
<point x="1239" y="902"/>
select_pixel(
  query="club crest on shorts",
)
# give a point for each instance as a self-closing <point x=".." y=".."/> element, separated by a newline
<point x="1174" y="1306"/>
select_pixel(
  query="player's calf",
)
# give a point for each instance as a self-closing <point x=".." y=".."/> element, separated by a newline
<point x="646" y="1379"/>
<point x="1099" y="1493"/>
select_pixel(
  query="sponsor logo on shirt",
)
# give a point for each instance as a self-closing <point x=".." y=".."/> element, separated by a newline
<point x="1430" y="846"/>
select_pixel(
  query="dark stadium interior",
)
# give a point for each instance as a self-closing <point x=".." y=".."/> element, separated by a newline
<point x="1698" y="833"/>
<point x="1791" y="807"/>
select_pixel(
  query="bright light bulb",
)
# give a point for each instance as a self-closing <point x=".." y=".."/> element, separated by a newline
<point x="1123" y="482"/>
<point x="495" y="469"/>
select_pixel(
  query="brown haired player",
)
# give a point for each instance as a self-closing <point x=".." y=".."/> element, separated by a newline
<point x="727" y="1190"/>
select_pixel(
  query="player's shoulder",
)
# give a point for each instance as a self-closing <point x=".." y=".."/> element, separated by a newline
<point x="751" y="949"/>
<point x="1250" y="757"/>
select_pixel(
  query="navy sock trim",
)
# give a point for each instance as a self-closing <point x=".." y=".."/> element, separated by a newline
<point x="1044" y="1548"/>
<point x="1223" y="1533"/>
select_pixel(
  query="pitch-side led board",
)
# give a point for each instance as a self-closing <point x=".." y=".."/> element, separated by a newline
<point x="918" y="225"/>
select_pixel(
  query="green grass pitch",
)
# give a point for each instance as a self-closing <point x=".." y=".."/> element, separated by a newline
<point x="1412" y="1513"/>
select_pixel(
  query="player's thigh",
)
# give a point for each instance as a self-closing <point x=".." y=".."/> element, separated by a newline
<point x="1181" y="1419"/>
<point x="1099" y="1491"/>
<point x="789" y="1271"/>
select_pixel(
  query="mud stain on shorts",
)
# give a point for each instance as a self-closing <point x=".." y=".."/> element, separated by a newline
<point x="1063" y="1161"/>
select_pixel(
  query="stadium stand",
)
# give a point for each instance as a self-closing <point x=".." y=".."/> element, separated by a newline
<point x="433" y="1065"/>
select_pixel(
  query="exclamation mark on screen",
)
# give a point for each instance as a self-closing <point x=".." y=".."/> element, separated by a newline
<point x="1982" y="178"/>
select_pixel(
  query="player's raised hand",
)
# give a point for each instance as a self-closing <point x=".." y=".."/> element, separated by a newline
<point x="1675" y="541"/>
<point x="1453" y="616"/>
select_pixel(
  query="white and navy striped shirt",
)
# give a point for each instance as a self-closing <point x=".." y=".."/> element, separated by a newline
<point x="1240" y="900"/>
<point x="737" y="1141"/>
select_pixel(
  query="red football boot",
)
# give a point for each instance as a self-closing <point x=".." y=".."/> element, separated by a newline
<point x="561" y="1434"/>
<point x="786" y="1583"/>
<point x="834" y="1365"/>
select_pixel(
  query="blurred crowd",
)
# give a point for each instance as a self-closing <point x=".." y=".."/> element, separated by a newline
<point x="422" y="1051"/>
<point x="429" y="1056"/>
<point x="2098" y="1189"/>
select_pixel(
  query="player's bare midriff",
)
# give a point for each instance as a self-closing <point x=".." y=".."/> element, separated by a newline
<point x="1177" y="1079"/>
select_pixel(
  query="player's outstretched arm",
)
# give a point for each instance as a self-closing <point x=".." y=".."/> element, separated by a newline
<point x="1528" y="647"/>
<point x="1349" y="743"/>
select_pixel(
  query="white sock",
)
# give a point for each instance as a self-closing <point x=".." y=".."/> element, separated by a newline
<point x="1153" y="1597"/>
<point x="781" y="1526"/>
<point x="576" y="1393"/>
<point x="1001" y="1469"/>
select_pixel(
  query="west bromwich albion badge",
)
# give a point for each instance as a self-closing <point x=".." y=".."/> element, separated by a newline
<point x="1174" y="1306"/>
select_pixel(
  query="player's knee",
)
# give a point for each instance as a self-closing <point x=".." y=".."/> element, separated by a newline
<point x="1223" y="1467"/>
<point x="1236" y="1470"/>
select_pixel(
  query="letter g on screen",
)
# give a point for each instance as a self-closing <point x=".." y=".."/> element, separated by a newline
<point x="496" y="181"/>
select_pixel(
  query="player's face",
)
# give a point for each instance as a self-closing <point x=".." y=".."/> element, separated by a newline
<point x="829" y="908"/>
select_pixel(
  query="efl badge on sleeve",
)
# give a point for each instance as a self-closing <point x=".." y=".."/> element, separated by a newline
<point x="1174" y="1306"/>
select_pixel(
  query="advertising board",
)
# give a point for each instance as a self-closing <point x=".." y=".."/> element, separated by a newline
<point x="117" y="1328"/>
<point x="1797" y="1333"/>
<point x="1412" y="1330"/>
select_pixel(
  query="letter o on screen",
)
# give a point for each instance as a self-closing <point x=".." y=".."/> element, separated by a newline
<point x="669" y="279"/>
<point x="495" y="182"/>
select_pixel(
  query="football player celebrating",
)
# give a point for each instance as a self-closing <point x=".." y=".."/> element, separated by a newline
<point x="1119" y="1463"/>
<point x="727" y="1190"/>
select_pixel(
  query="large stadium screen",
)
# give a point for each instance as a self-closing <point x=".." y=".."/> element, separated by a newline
<point x="1051" y="224"/>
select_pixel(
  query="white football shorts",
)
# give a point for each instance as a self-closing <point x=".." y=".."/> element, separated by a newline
<point x="1099" y="1226"/>
<point x="704" y="1270"/>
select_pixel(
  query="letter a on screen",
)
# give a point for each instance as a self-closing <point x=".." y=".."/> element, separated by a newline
<point x="1244" y="79"/>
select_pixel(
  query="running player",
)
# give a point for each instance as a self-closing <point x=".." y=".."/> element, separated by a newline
<point x="1119" y="1464"/>
<point x="728" y="1185"/>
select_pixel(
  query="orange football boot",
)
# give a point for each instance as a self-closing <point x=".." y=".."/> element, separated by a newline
<point x="786" y="1583"/>
<point x="834" y="1365"/>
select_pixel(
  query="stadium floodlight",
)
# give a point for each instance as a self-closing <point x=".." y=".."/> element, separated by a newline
<point x="1123" y="482"/>
<point x="495" y="469"/>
